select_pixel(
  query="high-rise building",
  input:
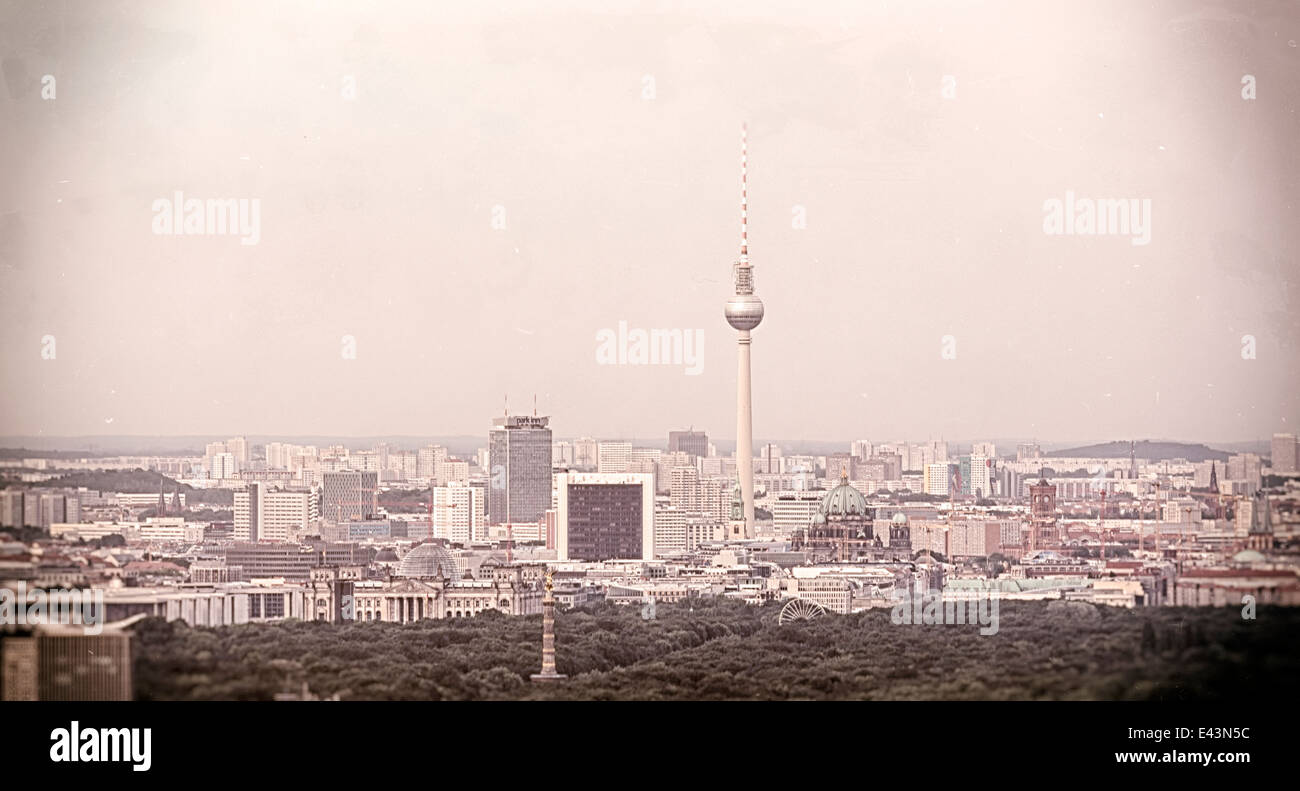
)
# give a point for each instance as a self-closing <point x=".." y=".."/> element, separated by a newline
<point x="614" y="456"/>
<point x="860" y="448"/>
<point x="744" y="311"/>
<point x="770" y="460"/>
<point x="605" y="516"/>
<point x="670" y="530"/>
<point x="1284" y="452"/>
<point x="452" y="470"/>
<point x="11" y="508"/>
<point x="936" y="479"/>
<point x="349" y="494"/>
<point x="838" y="464"/>
<point x="1246" y="467"/>
<point x="264" y="514"/>
<point x="696" y="443"/>
<point x="238" y="447"/>
<point x="222" y="466"/>
<point x="1028" y="451"/>
<point x="428" y="459"/>
<point x="519" y="459"/>
<point x="981" y="477"/>
<point x="64" y="662"/>
<point x="684" y="489"/>
<point x="586" y="453"/>
<point x="458" y="513"/>
<point x="794" y="511"/>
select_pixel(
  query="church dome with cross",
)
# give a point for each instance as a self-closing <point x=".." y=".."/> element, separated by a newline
<point x="842" y="501"/>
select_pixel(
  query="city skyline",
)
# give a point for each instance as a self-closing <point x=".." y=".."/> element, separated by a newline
<point x="894" y="209"/>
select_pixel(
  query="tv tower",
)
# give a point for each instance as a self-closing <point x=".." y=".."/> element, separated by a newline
<point x="744" y="311"/>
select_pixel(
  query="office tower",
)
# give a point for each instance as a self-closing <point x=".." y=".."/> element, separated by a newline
<point x="605" y="516"/>
<point x="458" y="513"/>
<point x="452" y="470"/>
<point x="238" y="447"/>
<point x="860" y="448"/>
<point x="11" y="508"/>
<point x="586" y="453"/>
<point x="936" y="479"/>
<point x="716" y="495"/>
<point x="684" y="489"/>
<point x="52" y="509"/>
<point x="248" y="513"/>
<point x="63" y="662"/>
<point x="519" y="458"/>
<point x="980" y="477"/>
<point x="263" y="514"/>
<point x="893" y="465"/>
<point x="986" y="449"/>
<point x="1028" y="451"/>
<point x="794" y="511"/>
<point x="718" y="467"/>
<point x="670" y="529"/>
<point x="562" y="454"/>
<point x="744" y="311"/>
<point x="1246" y="467"/>
<point x="427" y="460"/>
<point x="1284" y="453"/>
<point x="283" y="456"/>
<point x="402" y="465"/>
<point x="696" y="443"/>
<point x="918" y="457"/>
<point x="838" y="464"/>
<point x="349" y="494"/>
<point x="222" y="466"/>
<point x="770" y="459"/>
<point x="613" y="456"/>
<point x="702" y="530"/>
<point x="382" y="452"/>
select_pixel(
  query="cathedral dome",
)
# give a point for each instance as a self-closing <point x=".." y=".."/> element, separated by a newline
<point x="429" y="561"/>
<point x="843" y="500"/>
<point x="900" y="519"/>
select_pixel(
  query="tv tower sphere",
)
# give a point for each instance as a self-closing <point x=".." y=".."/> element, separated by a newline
<point x="744" y="311"/>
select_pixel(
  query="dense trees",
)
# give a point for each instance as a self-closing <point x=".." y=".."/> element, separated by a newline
<point x="725" y="650"/>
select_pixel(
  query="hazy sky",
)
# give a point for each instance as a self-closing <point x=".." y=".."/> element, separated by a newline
<point x="608" y="134"/>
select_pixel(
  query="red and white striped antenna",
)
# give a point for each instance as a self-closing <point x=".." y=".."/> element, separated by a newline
<point x="744" y="194"/>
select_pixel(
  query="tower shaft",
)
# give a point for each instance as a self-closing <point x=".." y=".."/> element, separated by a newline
<point x="745" y="432"/>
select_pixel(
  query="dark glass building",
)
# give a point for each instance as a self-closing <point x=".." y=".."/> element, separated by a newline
<point x="519" y="460"/>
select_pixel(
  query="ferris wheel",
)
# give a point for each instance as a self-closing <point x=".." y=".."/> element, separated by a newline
<point x="800" y="610"/>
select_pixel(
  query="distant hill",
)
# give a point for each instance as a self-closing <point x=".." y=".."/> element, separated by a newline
<point x="1146" y="449"/>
